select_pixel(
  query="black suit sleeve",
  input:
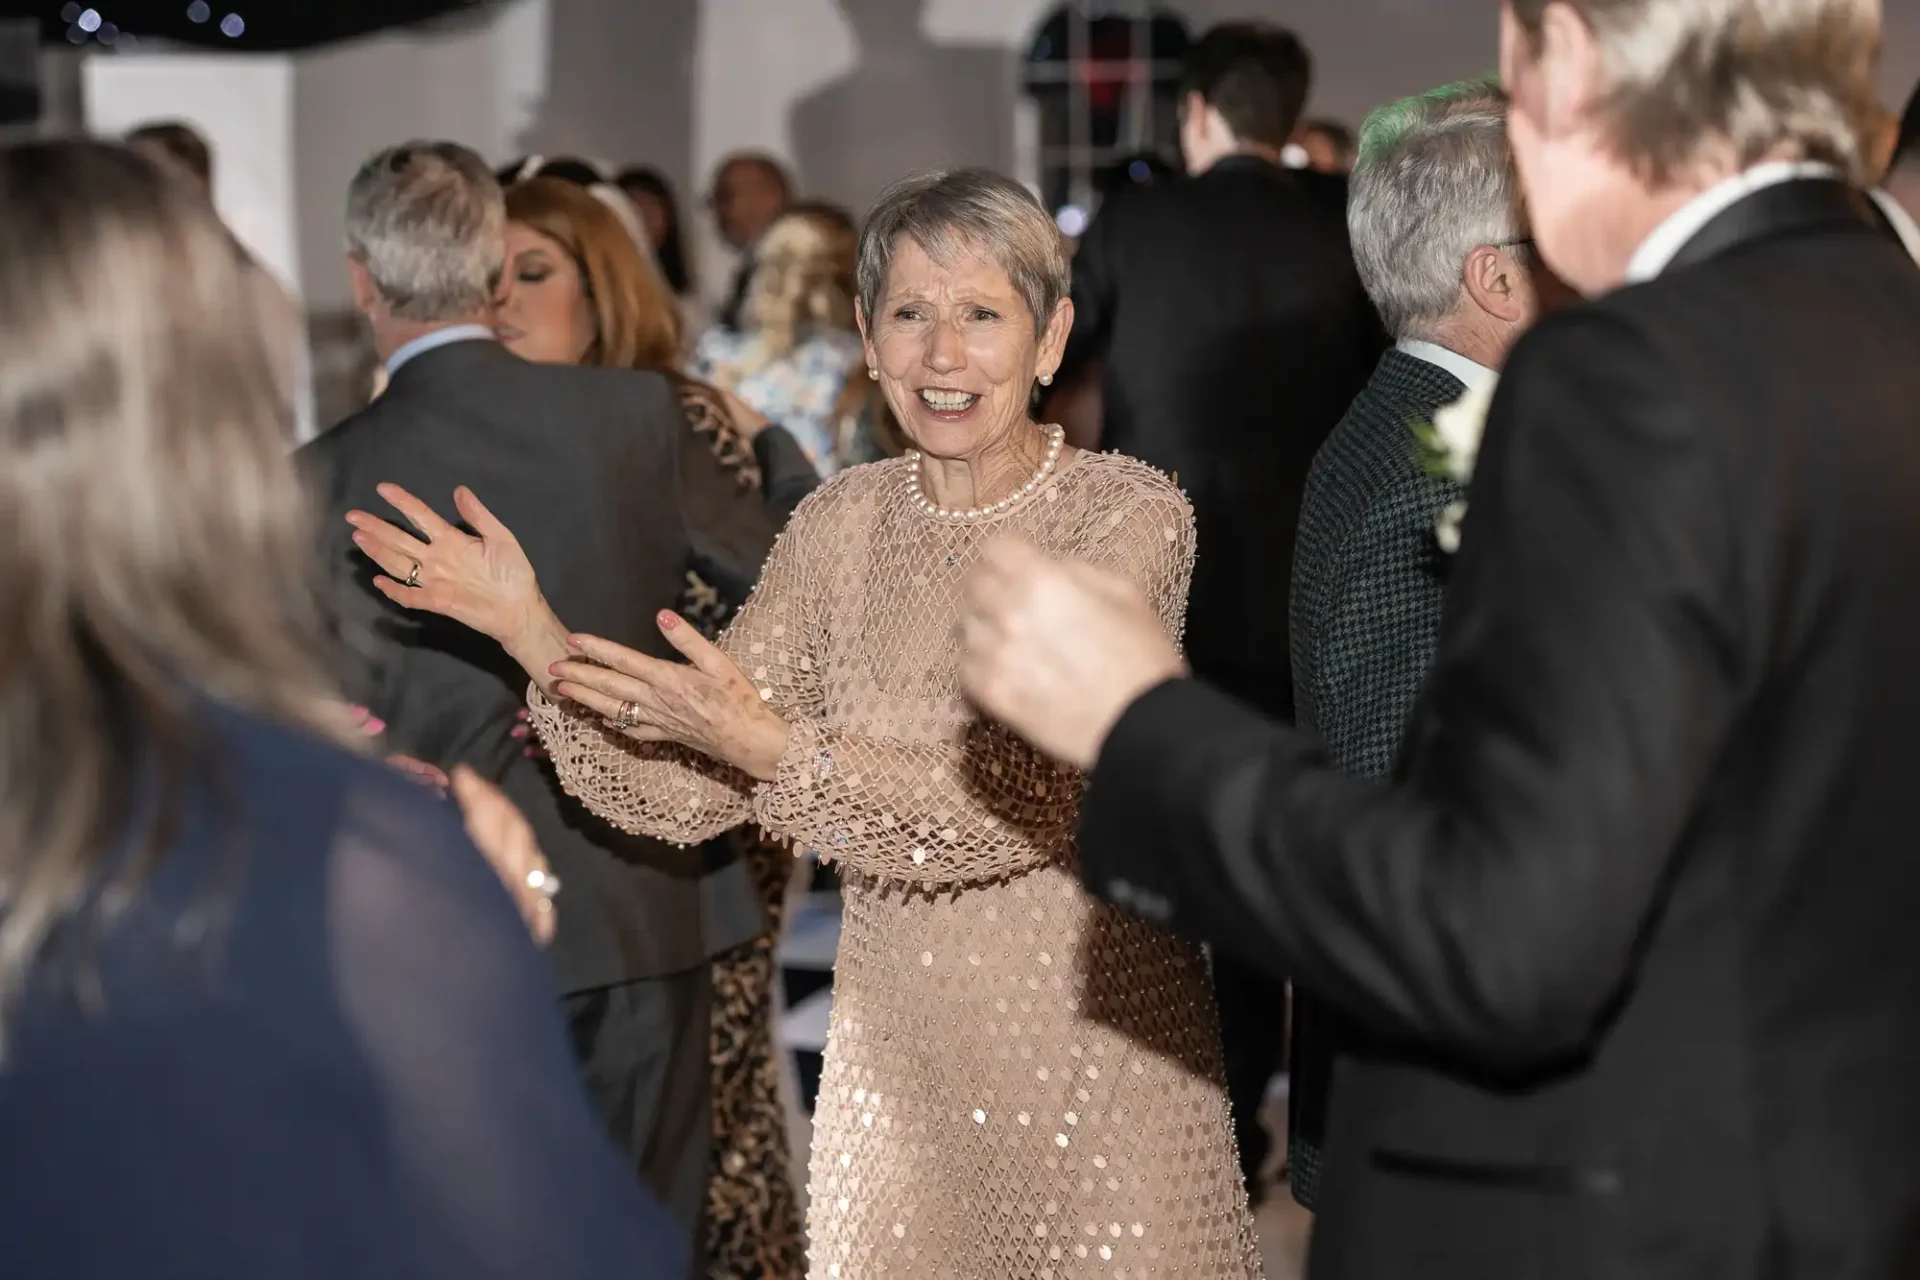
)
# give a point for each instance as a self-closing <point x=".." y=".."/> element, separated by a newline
<point x="1488" y="903"/>
<point x="786" y="474"/>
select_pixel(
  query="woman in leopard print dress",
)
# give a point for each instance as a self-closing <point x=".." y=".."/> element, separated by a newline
<point x="577" y="291"/>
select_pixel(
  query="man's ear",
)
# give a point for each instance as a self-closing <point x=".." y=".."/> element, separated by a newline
<point x="366" y="294"/>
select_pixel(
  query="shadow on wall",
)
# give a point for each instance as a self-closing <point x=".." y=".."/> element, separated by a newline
<point x="620" y="85"/>
<point x="908" y="104"/>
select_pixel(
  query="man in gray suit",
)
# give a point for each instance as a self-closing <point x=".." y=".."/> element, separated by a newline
<point x="1440" y="241"/>
<point x="586" y="466"/>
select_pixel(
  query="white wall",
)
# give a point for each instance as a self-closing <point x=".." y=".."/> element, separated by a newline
<point x="244" y="106"/>
<point x="479" y="85"/>
<point x="680" y="83"/>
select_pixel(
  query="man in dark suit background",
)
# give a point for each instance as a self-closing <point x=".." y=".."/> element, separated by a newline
<point x="586" y="464"/>
<point x="1232" y="333"/>
<point x="1631" y="931"/>
<point x="1440" y="239"/>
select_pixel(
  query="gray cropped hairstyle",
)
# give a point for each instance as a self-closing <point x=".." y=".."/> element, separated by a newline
<point x="951" y="212"/>
<point x="429" y="222"/>
<point x="1434" y="181"/>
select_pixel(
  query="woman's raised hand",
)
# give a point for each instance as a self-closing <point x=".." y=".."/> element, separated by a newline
<point x="485" y="582"/>
<point x="706" y="703"/>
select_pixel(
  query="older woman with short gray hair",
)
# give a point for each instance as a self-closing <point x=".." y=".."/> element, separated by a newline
<point x="1018" y="1081"/>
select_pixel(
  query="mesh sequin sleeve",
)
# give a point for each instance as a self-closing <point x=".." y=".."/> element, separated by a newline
<point x="653" y="789"/>
<point x="975" y="803"/>
<point x="674" y="793"/>
<point x="984" y="804"/>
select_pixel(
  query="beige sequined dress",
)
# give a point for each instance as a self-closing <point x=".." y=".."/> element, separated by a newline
<point x="1019" y="1081"/>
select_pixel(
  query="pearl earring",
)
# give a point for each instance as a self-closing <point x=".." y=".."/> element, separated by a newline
<point x="1046" y="379"/>
<point x="874" y="374"/>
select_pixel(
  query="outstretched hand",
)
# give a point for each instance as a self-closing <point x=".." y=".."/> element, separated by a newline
<point x="706" y="703"/>
<point x="1058" y="651"/>
<point x="482" y="579"/>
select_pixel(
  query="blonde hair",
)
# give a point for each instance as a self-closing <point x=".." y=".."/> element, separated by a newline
<point x="156" y="548"/>
<point x="802" y="281"/>
<point x="1756" y="75"/>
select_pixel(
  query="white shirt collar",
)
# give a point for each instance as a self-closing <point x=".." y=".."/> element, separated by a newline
<point x="1658" y="250"/>
<point x="1903" y="223"/>
<point x="433" y="341"/>
<point x="1472" y="374"/>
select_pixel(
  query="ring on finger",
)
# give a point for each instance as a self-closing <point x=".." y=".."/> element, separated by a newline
<point x="627" y="717"/>
<point x="413" y="576"/>
<point x="544" y="883"/>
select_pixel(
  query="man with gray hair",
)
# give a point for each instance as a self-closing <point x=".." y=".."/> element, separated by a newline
<point x="1630" y="930"/>
<point x="586" y="466"/>
<point x="1439" y="236"/>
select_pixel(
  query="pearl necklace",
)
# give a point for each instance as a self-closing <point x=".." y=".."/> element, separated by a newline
<point x="1056" y="438"/>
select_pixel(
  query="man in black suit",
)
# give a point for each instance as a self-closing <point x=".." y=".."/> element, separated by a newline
<point x="1631" y="931"/>
<point x="1440" y="238"/>
<point x="586" y="466"/>
<point x="1232" y="332"/>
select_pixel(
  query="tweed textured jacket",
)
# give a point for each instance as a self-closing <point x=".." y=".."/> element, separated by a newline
<point x="1368" y="587"/>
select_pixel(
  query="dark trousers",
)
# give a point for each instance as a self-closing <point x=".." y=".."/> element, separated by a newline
<point x="1310" y="1085"/>
<point x="645" y="1052"/>
<point x="1253" y="1035"/>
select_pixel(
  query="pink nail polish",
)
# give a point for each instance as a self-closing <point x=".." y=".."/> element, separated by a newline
<point x="668" y="621"/>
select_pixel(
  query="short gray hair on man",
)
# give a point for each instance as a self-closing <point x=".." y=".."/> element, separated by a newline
<point x="1434" y="181"/>
<point x="967" y="209"/>
<point x="429" y="221"/>
<point x="1684" y="79"/>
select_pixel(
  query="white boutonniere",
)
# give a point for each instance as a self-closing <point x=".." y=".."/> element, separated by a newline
<point x="1450" y="446"/>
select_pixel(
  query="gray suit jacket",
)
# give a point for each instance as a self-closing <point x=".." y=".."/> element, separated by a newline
<point x="589" y="468"/>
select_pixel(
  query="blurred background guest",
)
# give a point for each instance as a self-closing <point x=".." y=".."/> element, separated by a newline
<point x="592" y="179"/>
<point x="179" y="144"/>
<point x="1440" y="240"/>
<point x="795" y="354"/>
<point x="183" y="150"/>
<point x="254" y="988"/>
<point x="1327" y="146"/>
<point x="750" y="190"/>
<point x="659" y="208"/>
<point x="1233" y="333"/>
<point x="575" y="291"/>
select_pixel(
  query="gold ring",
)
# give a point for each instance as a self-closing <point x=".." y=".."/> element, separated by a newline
<point x="627" y="716"/>
<point x="413" y="578"/>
